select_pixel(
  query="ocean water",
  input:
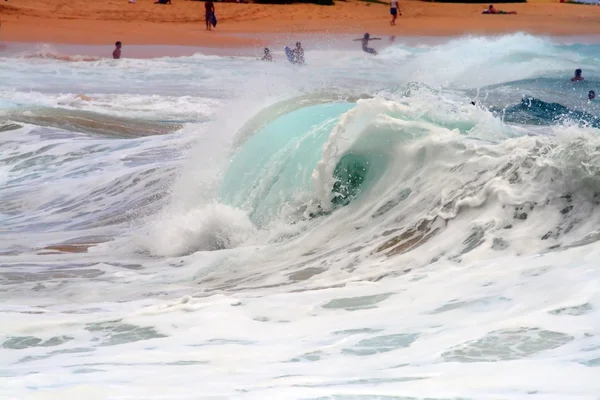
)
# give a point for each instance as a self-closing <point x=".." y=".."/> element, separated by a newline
<point x="217" y="227"/>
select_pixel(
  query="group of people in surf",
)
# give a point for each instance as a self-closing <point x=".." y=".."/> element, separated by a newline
<point x="295" y="56"/>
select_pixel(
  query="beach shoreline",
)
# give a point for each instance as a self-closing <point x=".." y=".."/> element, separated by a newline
<point x="249" y="25"/>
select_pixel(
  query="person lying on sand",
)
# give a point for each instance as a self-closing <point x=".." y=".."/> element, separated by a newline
<point x="492" y="10"/>
<point x="577" y="77"/>
<point x="163" y="2"/>
<point x="267" y="56"/>
<point x="365" y="43"/>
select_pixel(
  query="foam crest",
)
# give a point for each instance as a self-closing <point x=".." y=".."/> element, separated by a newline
<point x="360" y="231"/>
<point x="206" y="228"/>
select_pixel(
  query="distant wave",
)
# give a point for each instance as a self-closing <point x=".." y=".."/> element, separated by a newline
<point x="537" y="112"/>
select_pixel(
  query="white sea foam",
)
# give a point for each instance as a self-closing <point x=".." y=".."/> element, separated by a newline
<point x="464" y="268"/>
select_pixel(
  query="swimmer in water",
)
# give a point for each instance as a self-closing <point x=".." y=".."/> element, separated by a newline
<point x="117" y="51"/>
<point x="577" y="77"/>
<point x="365" y="43"/>
<point x="591" y="95"/>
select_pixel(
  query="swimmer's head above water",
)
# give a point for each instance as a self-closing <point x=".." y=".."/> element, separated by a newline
<point x="577" y="76"/>
<point x="591" y="95"/>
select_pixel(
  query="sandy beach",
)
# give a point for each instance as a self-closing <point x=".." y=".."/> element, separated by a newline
<point x="182" y="23"/>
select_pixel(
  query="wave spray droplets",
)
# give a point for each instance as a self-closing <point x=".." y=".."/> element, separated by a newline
<point x="361" y="232"/>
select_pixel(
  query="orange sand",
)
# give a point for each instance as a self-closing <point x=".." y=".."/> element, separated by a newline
<point x="105" y="21"/>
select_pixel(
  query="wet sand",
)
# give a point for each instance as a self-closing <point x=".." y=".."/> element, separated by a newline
<point x="241" y="25"/>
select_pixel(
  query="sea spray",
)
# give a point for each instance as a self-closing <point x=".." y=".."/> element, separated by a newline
<point x="464" y="266"/>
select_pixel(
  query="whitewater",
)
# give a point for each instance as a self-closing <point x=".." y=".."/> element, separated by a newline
<point x="422" y="224"/>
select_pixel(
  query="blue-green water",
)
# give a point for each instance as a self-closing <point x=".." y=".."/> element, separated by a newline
<point x="422" y="224"/>
<point x="274" y="166"/>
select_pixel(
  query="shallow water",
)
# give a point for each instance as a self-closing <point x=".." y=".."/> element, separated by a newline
<point x="217" y="227"/>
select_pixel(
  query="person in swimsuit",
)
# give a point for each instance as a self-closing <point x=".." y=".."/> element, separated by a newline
<point x="210" y="13"/>
<point x="117" y="51"/>
<point x="591" y="95"/>
<point x="365" y="43"/>
<point x="394" y="11"/>
<point x="577" y="77"/>
<point x="267" y="56"/>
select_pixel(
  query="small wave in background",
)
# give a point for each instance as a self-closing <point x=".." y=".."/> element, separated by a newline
<point x="420" y="224"/>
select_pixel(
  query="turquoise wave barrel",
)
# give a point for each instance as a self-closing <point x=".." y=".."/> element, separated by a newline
<point x="273" y="168"/>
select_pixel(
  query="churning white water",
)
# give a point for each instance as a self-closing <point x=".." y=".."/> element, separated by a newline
<point x="211" y="227"/>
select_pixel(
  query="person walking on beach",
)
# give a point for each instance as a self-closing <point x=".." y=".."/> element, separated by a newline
<point x="577" y="77"/>
<point x="117" y="51"/>
<point x="394" y="11"/>
<point x="365" y="44"/>
<point x="210" y="13"/>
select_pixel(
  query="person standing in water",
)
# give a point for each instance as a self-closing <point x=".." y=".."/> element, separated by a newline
<point x="117" y="51"/>
<point x="365" y="43"/>
<point x="577" y="77"/>
<point x="394" y="11"/>
<point x="267" y="56"/>
<point x="209" y="7"/>
<point x="298" y="53"/>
